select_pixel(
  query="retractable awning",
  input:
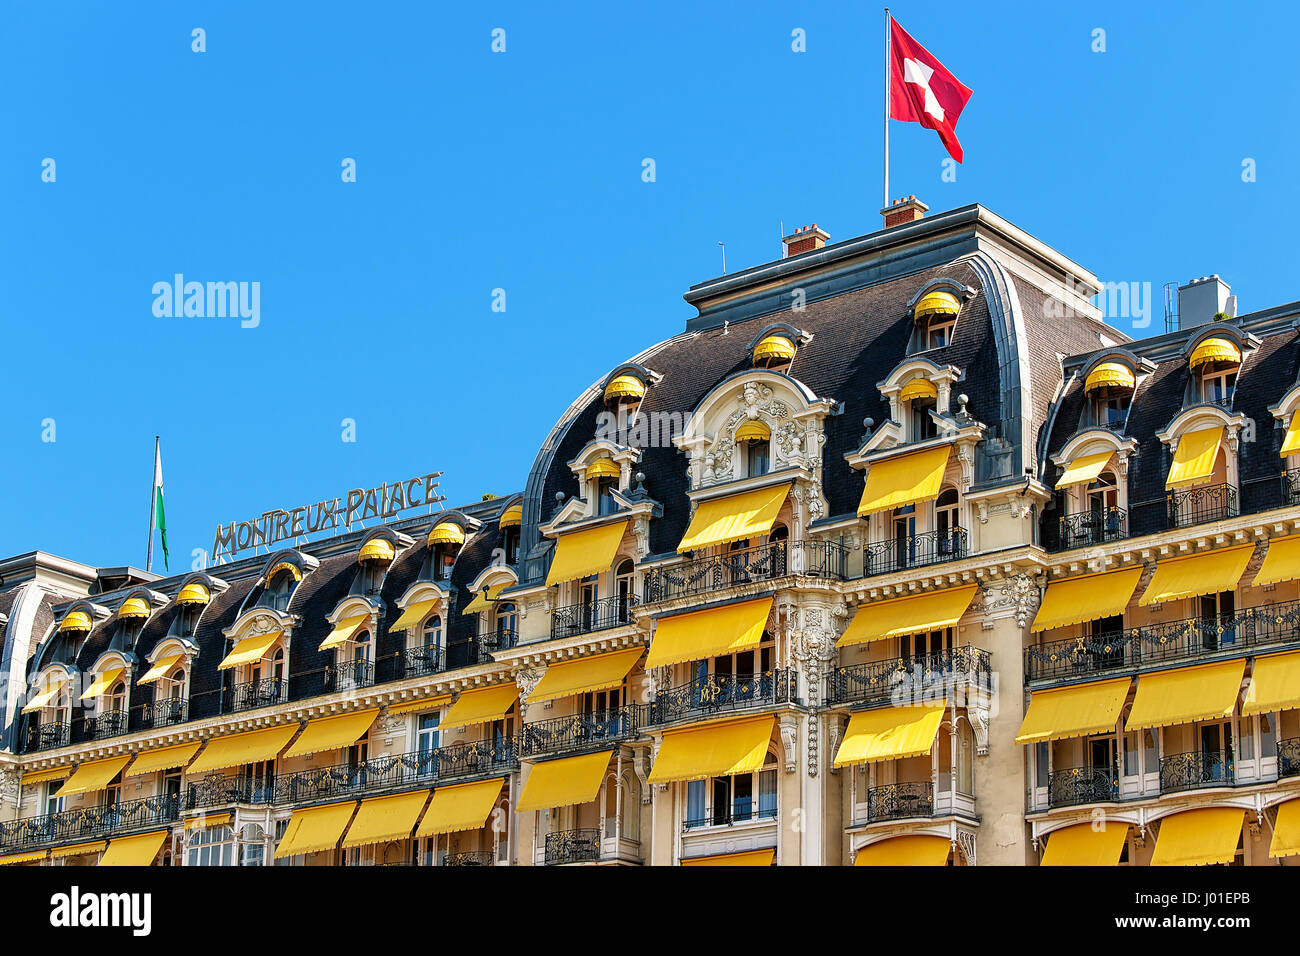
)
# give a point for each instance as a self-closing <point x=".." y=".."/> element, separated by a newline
<point x="251" y="747"/>
<point x="343" y="631"/>
<point x="31" y="857"/>
<point x="713" y="750"/>
<point x="734" y="517"/>
<point x="1185" y="695"/>
<point x="381" y="819"/>
<point x="95" y="775"/>
<point x="1084" y="469"/>
<point x="1088" y="598"/>
<point x="481" y="705"/>
<point x="1291" y="443"/>
<point x="332" y="733"/>
<point x="1075" y="711"/>
<point x="418" y="706"/>
<point x="249" y="651"/>
<point x="749" y="858"/>
<point x="587" y="674"/>
<point x="1194" y="458"/>
<point x="1198" y="837"/>
<point x="1086" y="844"/>
<point x="905" y="480"/>
<point x="919" y="850"/>
<point x="414" y="614"/>
<point x="1205" y="573"/>
<point x="102" y="682"/>
<point x="582" y="553"/>
<point x="565" y="782"/>
<point x="315" y="829"/>
<point x="1281" y="561"/>
<point x="1274" y="685"/>
<point x="164" y="758"/>
<point x="1286" y="830"/>
<point x="161" y="667"/>
<point x="708" y="633"/>
<point x="483" y="601"/>
<point x="889" y="733"/>
<point x="52" y="687"/>
<point x="914" y="614"/>
<point x="137" y="850"/>
<point x="78" y="849"/>
<point x="466" y="806"/>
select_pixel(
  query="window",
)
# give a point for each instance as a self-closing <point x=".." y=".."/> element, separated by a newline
<point x="212" y="846"/>
<point x="444" y="557"/>
<point x="510" y="545"/>
<point x="189" y="616"/>
<point x="936" y="331"/>
<point x="1218" y="382"/>
<point x="426" y="733"/>
<point x="258" y="780"/>
<point x="280" y="827"/>
<point x="53" y="802"/>
<point x="170" y="785"/>
<point x="1216" y="752"/>
<point x="1217" y="620"/>
<point x="431" y="640"/>
<point x="758" y="457"/>
<point x="922" y="422"/>
<point x="930" y="644"/>
<point x="1103" y="496"/>
<point x="507" y="623"/>
<point x="623" y="588"/>
<point x="605" y="486"/>
<point x="947" y="523"/>
<point x="252" y="846"/>
<point x="115" y="699"/>
<point x="1041" y="764"/>
<point x="280" y="589"/>
<point x="904" y="536"/>
<point x="1110" y="407"/>
<point x="739" y="798"/>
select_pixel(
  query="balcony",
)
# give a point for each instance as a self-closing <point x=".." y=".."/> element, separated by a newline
<point x="578" y="733"/>
<point x="486" y="643"/>
<point x="900" y="801"/>
<point x="592" y="616"/>
<point x="572" y="846"/>
<point x="1089" y="528"/>
<point x="1288" y="757"/>
<point x="1194" y="770"/>
<point x="468" y="858"/>
<point x="767" y="562"/>
<point x="394" y="772"/>
<point x="1201" y="504"/>
<point x="348" y="675"/>
<point x="1079" y="785"/>
<point x="1191" y="639"/>
<point x="421" y="662"/>
<point x="70" y="826"/>
<point x="257" y="693"/>
<point x="914" y="551"/>
<point x="217" y="790"/>
<point x="163" y="713"/>
<point x="743" y="812"/>
<point x="904" y="679"/>
<point x="1291" y="487"/>
<point x="111" y="724"/>
<point x="48" y="736"/>
<point x="717" y="694"/>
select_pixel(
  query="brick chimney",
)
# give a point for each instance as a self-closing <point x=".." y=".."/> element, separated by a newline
<point x="804" y="239"/>
<point x="902" y="211"/>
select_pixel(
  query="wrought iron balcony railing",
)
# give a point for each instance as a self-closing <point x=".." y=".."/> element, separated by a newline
<point x="730" y="816"/>
<point x="480" y="757"/>
<point x="818" y="559"/>
<point x="592" y="616"/>
<point x="572" y="846"/>
<point x="349" y="674"/>
<point x="721" y="693"/>
<point x="48" y="736"/>
<point x="110" y="724"/>
<point x="162" y="713"/>
<point x="73" y="825"/>
<point x="1200" y="504"/>
<point x="918" y="550"/>
<point x="391" y="772"/>
<point x="257" y="693"/>
<point x="487" y="643"/>
<point x="1291" y="487"/>
<point x="421" y="661"/>
<point x="901" y="680"/>
<point x="1288" y="757"/>
<point x="1189" y="639"/>
<point x="217" y="790"/>
<point x="468" y="858"/>
<point x="1078" y="785"/>
<point x="898" y="801"/>
<point x="579" y="732"/>
<point x="1191" y="771"/>
<point x="1088" y="528"/>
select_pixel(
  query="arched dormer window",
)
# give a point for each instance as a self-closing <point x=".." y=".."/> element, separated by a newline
<point x="1214" y="364"/>
<point x="775" y="351"/>
<point x="445" y="542"/>
<point x="280" y="586"/>
<point x="754" y="438"/>
<point x="374" y="558"/>
<point x="935" y="315"/>
<point x="1109" y="391"/>
<point x="623" y="395"/>
<point x="919" y="398"/>
<point x="603" y="477"/>
<point x="510" y="523"/>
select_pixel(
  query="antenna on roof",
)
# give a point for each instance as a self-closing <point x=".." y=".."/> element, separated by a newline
<point x="724" y="256"/>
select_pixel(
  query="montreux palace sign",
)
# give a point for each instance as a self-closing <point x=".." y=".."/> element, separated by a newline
<point x="359" y="504"/>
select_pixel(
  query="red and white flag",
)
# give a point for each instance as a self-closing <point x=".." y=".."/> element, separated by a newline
<point x="922" y="90"/>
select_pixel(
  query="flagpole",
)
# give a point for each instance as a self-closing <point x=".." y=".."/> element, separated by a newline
<point x="888" y="77"/>
<point x="153" y="501"/>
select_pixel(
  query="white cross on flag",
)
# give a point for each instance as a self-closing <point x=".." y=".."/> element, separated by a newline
<point x="921" y="90"/>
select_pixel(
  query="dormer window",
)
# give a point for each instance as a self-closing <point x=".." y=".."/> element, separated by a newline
<point x="774" y="352"/>
<point x="1109" y="390"/>
<point x="511" y="520"/>
<point x="1214" y="364"/>
<point x="1218" y="383"/>
<point x="603" y="473"/>
<point x="622" y="396"/>
<point x="936" y="320"/>
<point x="755" y="441"/>
<point x="280" y="585"/>
<point x="919" y="398"/>
<point x="446" y="540"/>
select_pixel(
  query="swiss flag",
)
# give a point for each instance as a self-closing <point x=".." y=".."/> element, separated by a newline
<point x="921" y="90"/>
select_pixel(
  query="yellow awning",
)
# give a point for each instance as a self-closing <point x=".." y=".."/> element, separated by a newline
<point x="414" y="615"/>
<point x="77" y="849"/>
<point x="749" y="858"/>
<point x="381" y="819"/>
<point x="734" y="517"/>
<point x="194" y="593"/>
<point x="95" y="775"/>
<point x="905" y="480"/>
<point x="1274" y="685"/>
<point x="512" y="517"/>
<point x="1281" y="561"/>
<point x="449" y="532"/>
<point x="918" y="388"/>
<point x="164" y="758"/>
<point x="377" y="549"/>
<point x="1206" y="692"/>
<point x="133" y="608"/>
<point x="1214" y="350"/>
<point x="251" y="747"/>
<point x="1084" y="469"/>
<point x="919" y="850"/>
<point x="889" y="733"/>
<point x="139" y="850"/>
<point x="936" y="303"/>
<point x="914" y="614"/>
<point x="708" y="633"/>
<point x="343" y="631"/>
<point x="207" y="821"/>
<point x="1087" y="598"/>
<point x="1291" y="443"/>
<point x="1286" y="830"/>
<point x="480" y="705"/>
<point x="1115" y="374"/>
<point x="1195" y="457"/>
<point x="1073" y="711"/>
<point x="76" y="621"/>
<point x="102" y="682"/>
<point x="1086" y="844"/>
<point x="753" y="430"/>
<point x="250" y="650"/>
<point x="598" y="672"/>
<point x="41" y="776"/>
<point x="1198" y="837"/>
<point x="161" y="667"/>
<point x="332" y="733"/>
<point x="1205" y="573"/>
<point x="713" y="750"/>
<point x="465" y="806"/>
<point x="580" y="553"/>
<point x="314" y="829"/>
<point x="774" y="347"/>
<point x="603" y="468"/>
<point x="482" y="602"/>
<point x="418" y="706"/>
<point x="54" y="684"/>
<point x="22" y="857"/>
<point x="565" y="782"/>
<point x="294" y="571"/>
<point x="624" y="386"/>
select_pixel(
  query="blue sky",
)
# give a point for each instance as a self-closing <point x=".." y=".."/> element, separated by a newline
<point x="522" y="171"/>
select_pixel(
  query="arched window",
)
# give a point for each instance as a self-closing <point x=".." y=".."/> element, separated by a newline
<point x="280" y="589"/>
<point x="361" y="645"/>
<point x="758" y="457"/>
<point x="431" y="636"/>
<point x="507" y="624"/>
<point x="947" y="524"/>
<point x="936" y="319"/>
<point x="623" y="589"/>
<point x="115" y="699"/>
<point x="1219" y="382"/>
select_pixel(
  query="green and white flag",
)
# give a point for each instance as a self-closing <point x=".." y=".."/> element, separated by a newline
<point x="159" y="515"/>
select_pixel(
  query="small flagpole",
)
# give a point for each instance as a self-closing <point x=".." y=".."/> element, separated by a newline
<point x="888" y="77"/>
<point x="153" y="502"/>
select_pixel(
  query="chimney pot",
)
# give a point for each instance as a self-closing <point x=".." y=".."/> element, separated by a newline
<point x="902" y="211"/>
<point x="804" y="239"/>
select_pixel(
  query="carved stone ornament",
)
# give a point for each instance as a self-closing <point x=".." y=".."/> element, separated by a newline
<point x="789" y="726"/>
<point x="527" y="680"/>
<point x="262" y="624"/>
<point x="9" y="785"/>
<point x="1019" y="597"/>
<point x="979" y="722"/>
<point x="641" y="531"/>
<point x="966" y="846"/>
<point x="641" y="767"/>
